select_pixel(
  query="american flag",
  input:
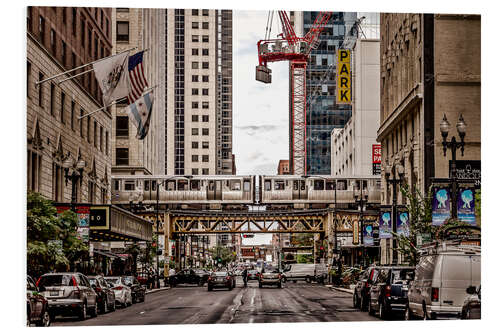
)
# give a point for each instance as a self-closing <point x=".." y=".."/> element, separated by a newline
<point x="137" y="79"/>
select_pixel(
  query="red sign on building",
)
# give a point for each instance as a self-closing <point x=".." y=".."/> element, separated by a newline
<point x="376" y="158"/>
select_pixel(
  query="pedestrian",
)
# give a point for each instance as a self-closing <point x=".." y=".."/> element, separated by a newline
<point x="244" y="274"/>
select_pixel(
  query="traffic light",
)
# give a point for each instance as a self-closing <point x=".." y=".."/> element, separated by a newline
<point x="248" y="235"/>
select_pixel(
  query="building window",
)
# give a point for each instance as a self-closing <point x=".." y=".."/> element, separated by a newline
<point x="194" y="118"/>
<point x="205" y="92"/>
<point x="194" y="12"/>
<point x="53" y="41"/>
<point x="81" y="122"/>
<point x="194" y="105"/>
<point x="40" y="90"/>
<point x="194" y="65"/>
<point x="52" y="98"/>
<point x="95" y="133"/>
<point x="204" y="131"/>
<point x="195" y="25"/>
<point x="204" y="118"/>
<point x="205" y="158"/>
<point x="195" y="38"/>
<point x="194" y="158"/>
<point x="204" y="12"/>
<point x="194" y="91"/>
<point x="121" y="156"/>
<point x="63" y="55"/>
<point x="30" y="17"/>
<point x="204" y="52"/>
<point x="205" y="25"/>
<point x="107" y="143"/>
<point x="194" y="52"/>
<point x="82" y="31"/>
<point x="204" y="39"/>
<point x="28" y="77"/>
<point x="204" y="171"/>
<point x="41" y="29"/>
<point x="101" y="141"/>
<point x="194" y="78"/>
<point x="204" y="145"/>
<point x="205" y="65"/>
<point x="122" y="126"/>
<point x="122" y="31"/>
<point x="194" y="131"/>
<point x="194" y="171"/>
<point x="88" y="129"/>
<point x="57" y="181"/>
<point x="205" y="78"/>
<point x="73" y="20"/>
<point x="92" y="191"/>
<point x="194" y="145"/>
<point x="104" y="195"/>
<point x="34" y="170"/>
<point x="63" y="100"/>
<point x="204" y="105"/>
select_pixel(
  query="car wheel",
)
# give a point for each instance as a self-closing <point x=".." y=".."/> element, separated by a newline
<point x="28" y="320"/>
<point x="93" y="313"/>
<point x="105" y="307"/>
<point x="83" y="312"/>
<point x="363" y="304"/>
<point x="113" y="308"/>
<point x="260" y="285"/>
<point x="308" y="279"/>
<point x="381" y="312"/>
<point x="370" y="308"/>
<point x="46" y="319"/>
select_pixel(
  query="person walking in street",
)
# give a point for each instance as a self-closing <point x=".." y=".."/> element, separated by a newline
<point x="244" y="274"/>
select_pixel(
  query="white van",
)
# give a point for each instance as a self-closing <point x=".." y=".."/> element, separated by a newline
<point x="442" y="276"/>
<point x="300" y="272"/>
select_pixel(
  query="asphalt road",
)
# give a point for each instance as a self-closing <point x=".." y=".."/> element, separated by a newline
<point x="295" y="302"/>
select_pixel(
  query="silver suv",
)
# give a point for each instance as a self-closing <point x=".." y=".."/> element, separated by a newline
<point x="68" y="294"/>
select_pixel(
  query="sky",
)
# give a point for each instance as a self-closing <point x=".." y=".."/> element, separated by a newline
<point x="260" y="111"/>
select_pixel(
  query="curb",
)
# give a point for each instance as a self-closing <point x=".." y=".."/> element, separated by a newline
<point x="156" y="290"/>
<point x="349" y="291"/>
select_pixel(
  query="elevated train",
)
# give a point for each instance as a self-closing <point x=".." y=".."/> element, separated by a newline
<point x="222" y="191"/>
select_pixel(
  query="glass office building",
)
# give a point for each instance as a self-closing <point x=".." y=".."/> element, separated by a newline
<point x="322" y="113"/>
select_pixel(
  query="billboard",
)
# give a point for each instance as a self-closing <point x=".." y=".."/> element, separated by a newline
<point x="376" y="158"/>
<point x="367" y="234"/>
<point x="385" y="222"/>
<point x="403" y="223"/>
<point x="441" y="206"/>
<point x="343" y="94"/>
<point x="465" y="204"/>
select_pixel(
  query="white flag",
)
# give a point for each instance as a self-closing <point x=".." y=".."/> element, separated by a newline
<point x="140" y="114"/>
<point x="112" y="75"/>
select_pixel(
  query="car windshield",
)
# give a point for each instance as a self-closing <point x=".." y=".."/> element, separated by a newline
<point x="401" y="276"/>
<point x="62" y="280"/>
<point x="113" y="281"/>
<point x="253" y="271"/>
<point x="270" y="269"/>
<point x="128" y="279"/>
<point x="221" y="273"/>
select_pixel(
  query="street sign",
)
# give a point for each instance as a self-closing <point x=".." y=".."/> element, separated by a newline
<point x="343" y="77"/>
<point x="468" y="170"/>
<point x="376" y="158"/>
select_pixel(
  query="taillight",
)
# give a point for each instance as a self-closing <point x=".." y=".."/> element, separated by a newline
<point x="228" y="277"/>
<point x="435" y="294"/>
<point x="38" y="281"/>
<point x="387" y="291"/>
<point x="118" y="288"/>
<point x="98" y="289"/>
<point x="77" y="291"/>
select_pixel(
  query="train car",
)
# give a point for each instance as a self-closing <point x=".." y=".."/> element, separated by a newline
<point x="291" y="190"/>
<point x="178" y="190"/>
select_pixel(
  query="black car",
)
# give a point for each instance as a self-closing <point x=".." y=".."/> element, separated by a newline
<point x="37" y="305"/>
<point x="389" y="292"/>
<point x="361" y="290"/>
<point x="189" y="276"/>
<point x="220" y="279"/>
<point x="138" y="290"/>
<point x="472" y="304"/>
<point x="105" y="295"/>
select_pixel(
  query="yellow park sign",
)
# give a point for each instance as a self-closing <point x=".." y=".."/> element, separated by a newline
<point x="343" y="77"/>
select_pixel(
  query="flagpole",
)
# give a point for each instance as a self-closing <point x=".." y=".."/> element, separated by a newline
<point x="81" y="66"/>
<point x="113" y="103"/>
<point x="72" y="77"/>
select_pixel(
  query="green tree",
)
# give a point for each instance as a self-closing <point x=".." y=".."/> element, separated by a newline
<point x="134" y="250"/>
<point x="46" y="231"/>
<point x="224" y="253"/>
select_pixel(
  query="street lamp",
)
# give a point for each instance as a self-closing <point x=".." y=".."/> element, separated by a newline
<point x="75" y="176"/>
<point x="453" y="144"/>
<point x="361" y="200"/>
<point x="157" y="224"/>
<point x="399" y="170"/>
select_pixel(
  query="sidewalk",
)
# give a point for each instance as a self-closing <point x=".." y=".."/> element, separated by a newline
<point x="154" y="290"/>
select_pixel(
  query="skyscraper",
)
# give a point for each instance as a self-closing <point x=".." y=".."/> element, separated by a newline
<point x="198" y="112"/>
<point x="322" y="113"/>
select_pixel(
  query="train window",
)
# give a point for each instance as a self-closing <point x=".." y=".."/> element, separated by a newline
<point x="267" y="185"/>
<point x="295" y="185"/>
<point x="330" y="185"/>
<point x="195" y="185"/>
<point x="279" y="185"/>
<point x="319" y="184"/>
<point x="342" y="185"/>
<point x="153" y="185"/>
<point x="211" y="185"/>
<point x="116" y="185"/>
<point x="182" y="185"/>
<point x="235" y="185"/>
<point x="129" y="185"/>
<point x="171" y="185"/>
<point x="146" y="185"/>
<point x="246" y="186"/>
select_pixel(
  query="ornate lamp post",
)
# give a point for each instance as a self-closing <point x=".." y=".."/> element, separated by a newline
<point x="75" y="176"/>
<point x="399" y="170"/>
<point x="444" y="127"/>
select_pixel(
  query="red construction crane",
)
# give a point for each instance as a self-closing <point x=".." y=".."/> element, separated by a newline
<point x="296" y="50"/>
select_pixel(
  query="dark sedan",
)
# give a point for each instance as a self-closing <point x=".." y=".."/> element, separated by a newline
<point x="221" y="279"/>
<point x="105" y="293"/>
<point x="189" y="276"/>
<point x="37" y="305"/>
<point x="138" y="290"/>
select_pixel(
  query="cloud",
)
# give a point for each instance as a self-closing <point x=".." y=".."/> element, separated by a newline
<point x="265" y="169"/>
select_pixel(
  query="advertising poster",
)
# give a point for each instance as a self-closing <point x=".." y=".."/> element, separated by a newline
<point x="441" y="208"/>
<point x="355" y="233"/>
<point x="83" y="213"/>
<point x="465" y="205"/>
<point x="82" y="233"/>
<point x="376" y="158"/>
<point x="403" y="225"/>
<point x="385" y="223"/>
<point x="367" y="234"/>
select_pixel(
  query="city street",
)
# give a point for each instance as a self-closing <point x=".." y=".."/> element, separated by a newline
<point x="296" y="302"/>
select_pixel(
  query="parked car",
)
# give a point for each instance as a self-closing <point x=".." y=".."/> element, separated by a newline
<point x="105" y="294"/>
<point x="68" y="294"/>
<point x="360" y="295"/>
<point x="220" y="279"/>
<point x="123" y="293"/>
<point x="320" y="273"/>
<point x="137" y="289"/>
<point x="37" y="305"/>
<point x="389" y="293"/>
<point x="270" y="276"/>
<point x="442" y="276"/>
<point x="252" y="274"/>
<point x="189" y="276"/>
<point x="300" y="272"/>
<point x="472" y="304"/>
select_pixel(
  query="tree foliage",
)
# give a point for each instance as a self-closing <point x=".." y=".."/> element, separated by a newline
<point x="44" y="229"/>
<point x="224" y="253"/>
